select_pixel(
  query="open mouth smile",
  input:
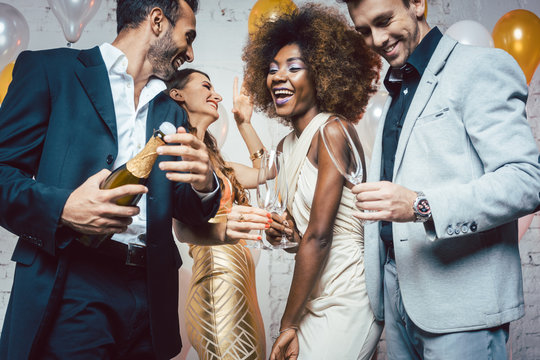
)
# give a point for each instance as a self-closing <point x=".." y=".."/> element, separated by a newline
<point x="282" y="95"/>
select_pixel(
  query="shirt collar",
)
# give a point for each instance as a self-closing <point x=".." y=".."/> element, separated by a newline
<point x="420" y="57"/>
<point x="417" y="61"/>
<point x="116" y="62"/>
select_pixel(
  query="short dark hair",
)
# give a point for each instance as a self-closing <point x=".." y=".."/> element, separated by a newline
<point x="130" y="13"/>
<point x="407" y="3"/>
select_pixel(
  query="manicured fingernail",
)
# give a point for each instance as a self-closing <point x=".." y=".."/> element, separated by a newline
<point x="269" y="215"/>
<point x="266" y="226"/>
<point x="270" y="221"/>
<point x="259" y="237"/>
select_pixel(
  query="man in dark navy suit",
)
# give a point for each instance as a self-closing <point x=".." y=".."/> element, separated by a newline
<point x="70" y="117"/>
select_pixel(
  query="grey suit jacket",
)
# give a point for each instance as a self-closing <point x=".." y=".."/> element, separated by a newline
<point x="467" y="145"/>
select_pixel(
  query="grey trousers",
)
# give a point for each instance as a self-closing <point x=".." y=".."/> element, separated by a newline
<point x="405" y="341"/>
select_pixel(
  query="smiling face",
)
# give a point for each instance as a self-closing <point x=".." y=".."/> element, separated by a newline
<point x="199" y="99"/>
<point x="289" y="83"/>
<point x="174" y="45"/>
<point x="389" y="27"/>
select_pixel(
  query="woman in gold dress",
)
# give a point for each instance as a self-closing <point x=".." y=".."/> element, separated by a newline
<point x="222" y="315"/>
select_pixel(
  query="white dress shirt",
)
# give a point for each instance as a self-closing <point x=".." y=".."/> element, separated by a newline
<point x="130" y="124"/>
<point x="131" y="127"/>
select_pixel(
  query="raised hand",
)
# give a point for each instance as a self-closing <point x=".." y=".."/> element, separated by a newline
<point x="242" y="105"/>
<point x="93" y="211"/>
<point x="194" y="168"/>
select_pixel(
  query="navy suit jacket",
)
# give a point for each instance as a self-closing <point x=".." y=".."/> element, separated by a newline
<point x="57" y="128"/>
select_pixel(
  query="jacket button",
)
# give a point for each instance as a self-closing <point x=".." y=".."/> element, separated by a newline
<point x="474" y="227"/>
<point x="450" y="230"/>
<point x="110" y="159"/>
<point x="464" y="228"/>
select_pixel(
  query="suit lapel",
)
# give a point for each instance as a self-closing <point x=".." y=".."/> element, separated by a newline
<point x="95" y="81"/>
<point x="158" y="112"/>
<point x="427" y="85"/>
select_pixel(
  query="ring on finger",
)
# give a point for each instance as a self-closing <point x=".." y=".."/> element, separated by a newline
<point x="241" y="218"/>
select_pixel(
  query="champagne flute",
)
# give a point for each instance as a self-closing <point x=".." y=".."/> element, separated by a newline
<point x="265" y="197"/>
<point x="343" y="147"/>
<point x="278" y="186"/>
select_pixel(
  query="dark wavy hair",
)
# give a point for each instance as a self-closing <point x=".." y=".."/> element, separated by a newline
<point x="343" y="69"/>
<point x="178" y="81"/>
<point x="130" y="13"/>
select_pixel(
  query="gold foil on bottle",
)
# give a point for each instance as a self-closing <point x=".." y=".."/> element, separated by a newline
<point x="141" y="165"/>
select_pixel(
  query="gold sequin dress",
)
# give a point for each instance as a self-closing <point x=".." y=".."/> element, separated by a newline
<point x="222" y="314"/>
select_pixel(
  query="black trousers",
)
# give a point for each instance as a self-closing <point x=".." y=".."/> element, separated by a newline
<point x="103" y="313"/>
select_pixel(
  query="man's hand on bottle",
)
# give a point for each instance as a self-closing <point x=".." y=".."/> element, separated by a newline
<point x="93" y="211"/>
<point x="195" y="167"/>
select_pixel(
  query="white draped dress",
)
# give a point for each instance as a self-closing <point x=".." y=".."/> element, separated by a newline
<point x="338" y="322"/>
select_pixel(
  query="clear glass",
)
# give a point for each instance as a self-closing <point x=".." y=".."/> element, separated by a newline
<point x="264" y="197"/>
<point x="272" y="194"/>
<point x="343" y="147"/>
<point x="276" y="185"/>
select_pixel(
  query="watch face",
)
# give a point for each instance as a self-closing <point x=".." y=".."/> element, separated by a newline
<point x="423" y="207"/>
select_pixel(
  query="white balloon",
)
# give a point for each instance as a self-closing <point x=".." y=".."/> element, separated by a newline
<point x="220" y="128"/>
<point x="14" y="34"/>
<point x="470" y="33"/>
<point x="74" y="15"/>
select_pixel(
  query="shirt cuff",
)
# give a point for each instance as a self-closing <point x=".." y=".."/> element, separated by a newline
<point x="205" y="197"/>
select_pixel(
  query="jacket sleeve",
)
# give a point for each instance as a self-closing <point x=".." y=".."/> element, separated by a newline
<point x="493" y="114"/>
<point x="28" y="208"/>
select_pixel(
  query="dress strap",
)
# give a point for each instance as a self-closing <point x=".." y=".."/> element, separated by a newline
<point x="297" y="153"/>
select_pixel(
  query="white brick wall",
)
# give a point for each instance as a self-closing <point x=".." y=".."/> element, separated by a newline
<point x="222" y="30"/>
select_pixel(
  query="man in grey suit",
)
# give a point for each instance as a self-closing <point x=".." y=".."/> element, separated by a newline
<point x="454" y="165"/>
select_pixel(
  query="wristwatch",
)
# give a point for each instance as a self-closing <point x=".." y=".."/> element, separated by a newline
<point x="421" y="208"/>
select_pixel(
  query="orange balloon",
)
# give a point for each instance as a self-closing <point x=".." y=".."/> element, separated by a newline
<point x="5" y="79"/>
<point x="518" y="32"/>
<point x="425" y="11"/>
<point x="268" y="10"/>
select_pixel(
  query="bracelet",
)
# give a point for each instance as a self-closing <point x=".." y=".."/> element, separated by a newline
<point x="295" y="328"/>
<point x="257" y="154"/>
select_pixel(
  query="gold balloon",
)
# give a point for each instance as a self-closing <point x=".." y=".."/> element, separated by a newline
<point x="425" y="11"/>
<point x="518" y="32"/>
<point x="268" y="10"/>
<point x="5" y="79"/>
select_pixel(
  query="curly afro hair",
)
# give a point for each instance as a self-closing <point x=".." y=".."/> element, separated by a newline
<point x="343" y="69"/>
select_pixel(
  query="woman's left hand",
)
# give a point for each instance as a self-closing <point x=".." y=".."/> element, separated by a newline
<point x="285" y="346"/>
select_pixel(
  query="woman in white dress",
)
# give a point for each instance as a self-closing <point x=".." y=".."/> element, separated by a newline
<point x="305" y="68"/>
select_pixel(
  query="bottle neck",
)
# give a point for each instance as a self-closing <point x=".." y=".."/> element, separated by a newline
<point x="141" y="165"/>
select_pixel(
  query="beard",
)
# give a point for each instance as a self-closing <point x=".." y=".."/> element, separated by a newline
<point x="161" y="55"/>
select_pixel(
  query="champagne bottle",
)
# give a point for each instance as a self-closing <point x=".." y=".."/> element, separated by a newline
<point x="135" y="171"/>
